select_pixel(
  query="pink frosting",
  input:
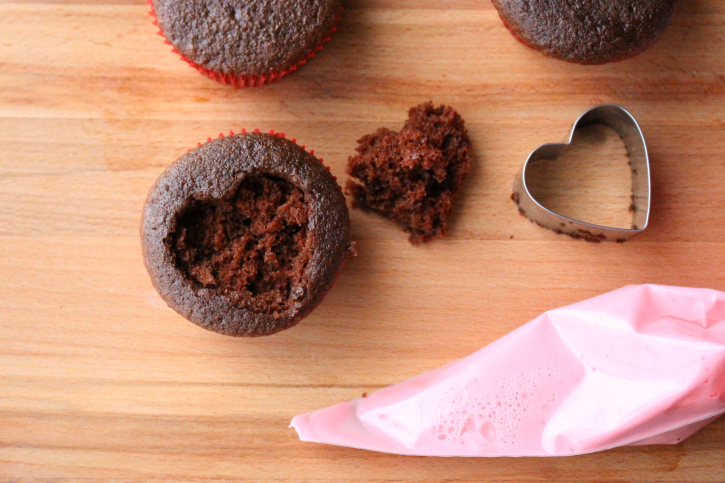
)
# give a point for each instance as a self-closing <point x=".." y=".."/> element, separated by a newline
<point x="641" y="365"/>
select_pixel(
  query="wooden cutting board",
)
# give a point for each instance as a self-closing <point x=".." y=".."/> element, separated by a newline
<point x="100" y="381"/>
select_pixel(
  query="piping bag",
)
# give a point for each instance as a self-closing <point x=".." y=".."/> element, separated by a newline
<point x="640" y="365"/>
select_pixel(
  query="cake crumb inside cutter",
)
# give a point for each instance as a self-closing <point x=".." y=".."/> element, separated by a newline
<point x="625" y="125"/>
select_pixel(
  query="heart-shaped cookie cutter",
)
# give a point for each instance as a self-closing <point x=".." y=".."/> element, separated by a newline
<point x="625" y="125"/>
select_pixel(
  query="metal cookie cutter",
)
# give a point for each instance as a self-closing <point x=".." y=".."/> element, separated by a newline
<point x="624" y="124"/>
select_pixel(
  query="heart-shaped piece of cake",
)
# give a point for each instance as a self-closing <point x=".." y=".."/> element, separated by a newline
<point x="414" y="176"/>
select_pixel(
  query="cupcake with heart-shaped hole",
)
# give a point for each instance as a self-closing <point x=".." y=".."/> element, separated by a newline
<point x="245" y="234"/>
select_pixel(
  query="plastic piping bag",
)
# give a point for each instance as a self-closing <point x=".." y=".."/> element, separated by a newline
<point x="640" y="365"/>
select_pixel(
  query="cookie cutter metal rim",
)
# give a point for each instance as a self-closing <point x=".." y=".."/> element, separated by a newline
<point x="626" y="126"/>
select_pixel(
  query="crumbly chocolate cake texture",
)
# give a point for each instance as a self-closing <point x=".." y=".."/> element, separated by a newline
<point x="245" y="37"/>
<point x="413" y="176"/>
<point x="587" y="32"/>
<point x="251" y="245"/>
<point x="245" y="234"/>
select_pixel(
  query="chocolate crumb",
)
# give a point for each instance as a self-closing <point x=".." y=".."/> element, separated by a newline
<point x="591" y="237"/>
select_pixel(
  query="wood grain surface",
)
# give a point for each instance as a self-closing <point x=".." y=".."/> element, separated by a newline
<point x="100" y="381"/>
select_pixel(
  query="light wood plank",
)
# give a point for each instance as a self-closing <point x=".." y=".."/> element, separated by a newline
<point x="100" y="381"/>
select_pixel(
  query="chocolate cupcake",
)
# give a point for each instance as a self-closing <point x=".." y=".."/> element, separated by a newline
<point x="245" y="235"/>
<point x="249" y="43"/>
<point x="591" y="32"/>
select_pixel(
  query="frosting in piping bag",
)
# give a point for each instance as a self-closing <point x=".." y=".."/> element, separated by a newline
<point x="641" y="365"/>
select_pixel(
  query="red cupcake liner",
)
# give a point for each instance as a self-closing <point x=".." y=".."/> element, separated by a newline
<point x="278" y="134"/>
<point x="251" y="80"/>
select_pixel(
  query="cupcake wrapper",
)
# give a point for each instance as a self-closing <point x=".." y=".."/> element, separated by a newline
<point x="251" y="80"/>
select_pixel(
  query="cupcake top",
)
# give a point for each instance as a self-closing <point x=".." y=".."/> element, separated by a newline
<point x="245" y="235"/>
<point x="591" y="32"/>
<point x="413" y="176"/>
<point x="249" y="37"/>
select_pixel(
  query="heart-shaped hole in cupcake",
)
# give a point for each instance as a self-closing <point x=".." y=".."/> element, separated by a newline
<point x="591" y="180"/>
